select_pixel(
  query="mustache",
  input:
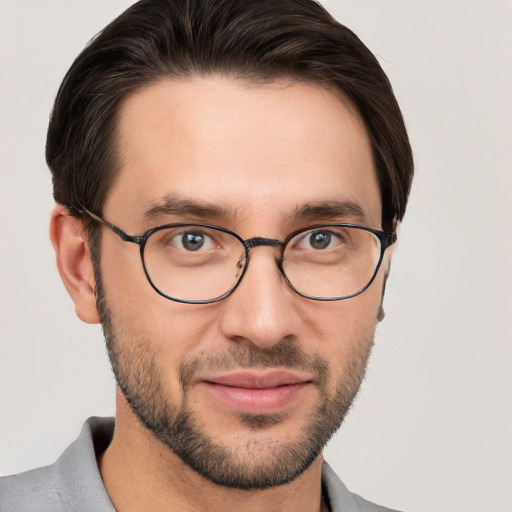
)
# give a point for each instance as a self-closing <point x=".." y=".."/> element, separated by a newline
<point x="281" y="355"/>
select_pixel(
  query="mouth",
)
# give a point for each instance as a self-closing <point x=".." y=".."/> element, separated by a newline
<point x="257" y="393"/>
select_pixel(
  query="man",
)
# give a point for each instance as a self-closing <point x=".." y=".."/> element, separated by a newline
<point x="229" y="176"/>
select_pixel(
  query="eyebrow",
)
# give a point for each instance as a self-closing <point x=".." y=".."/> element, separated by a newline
<point x="329" y="210"/>
<point x="174" y="205"/>
<point x="313" y="211"/>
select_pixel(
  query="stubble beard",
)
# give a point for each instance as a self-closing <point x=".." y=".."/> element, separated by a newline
<point x="256" y="464"/>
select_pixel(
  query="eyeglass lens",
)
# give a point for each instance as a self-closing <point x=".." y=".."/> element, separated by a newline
<point x="199" y="263"/>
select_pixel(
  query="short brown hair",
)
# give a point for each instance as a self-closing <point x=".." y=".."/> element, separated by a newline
<point x="252" y="40"/>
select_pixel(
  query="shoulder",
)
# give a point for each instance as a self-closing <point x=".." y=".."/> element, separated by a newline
<point x="341" y="499"/>
<point x="73" y="482"/>
<point x="31" y="491"/>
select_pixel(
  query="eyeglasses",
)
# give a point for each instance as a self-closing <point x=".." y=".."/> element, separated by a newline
<point x="200" y="264"/>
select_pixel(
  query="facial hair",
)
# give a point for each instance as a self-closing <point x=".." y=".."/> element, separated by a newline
<point x="258" y="465"/>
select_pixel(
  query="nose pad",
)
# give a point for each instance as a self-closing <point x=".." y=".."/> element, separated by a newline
<point x="240" y="264"/>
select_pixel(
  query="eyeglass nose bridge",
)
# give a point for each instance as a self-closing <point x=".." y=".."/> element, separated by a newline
<point x="259" y="241"/>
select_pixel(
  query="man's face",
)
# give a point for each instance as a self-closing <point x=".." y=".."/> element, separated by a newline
<point x="246" y="390"/>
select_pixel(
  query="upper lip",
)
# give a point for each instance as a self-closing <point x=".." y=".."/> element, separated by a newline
<point x="258" y="380"/>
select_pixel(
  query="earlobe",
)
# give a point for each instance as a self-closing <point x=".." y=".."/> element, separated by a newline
<point x="74" y="262"/>
<point x="381" y="313"/>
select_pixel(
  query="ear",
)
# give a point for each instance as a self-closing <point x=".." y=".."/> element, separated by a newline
<point x="381" y="313"/>
<point x="387" y="267"/>
<point x="74" y="262"/>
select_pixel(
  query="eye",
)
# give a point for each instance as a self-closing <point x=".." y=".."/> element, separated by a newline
<point x="192" y="241"/>
<point x="318" y="240"/>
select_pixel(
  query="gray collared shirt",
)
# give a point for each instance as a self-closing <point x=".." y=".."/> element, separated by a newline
<point x="73" y="483"/>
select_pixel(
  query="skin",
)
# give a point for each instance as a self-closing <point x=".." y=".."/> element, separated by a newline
<point x="258" y="152"/>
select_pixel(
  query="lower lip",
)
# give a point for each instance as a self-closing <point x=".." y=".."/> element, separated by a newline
<point x="256" y="400"/>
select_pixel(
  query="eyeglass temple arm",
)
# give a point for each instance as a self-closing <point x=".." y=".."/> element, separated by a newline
<point x="118" y="231"/>
<point x="387" y="239"/>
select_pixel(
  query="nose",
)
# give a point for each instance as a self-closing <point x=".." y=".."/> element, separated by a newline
<point x="263" y="310"/>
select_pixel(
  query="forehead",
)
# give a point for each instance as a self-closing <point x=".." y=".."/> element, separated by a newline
<point x="255" y="150"/>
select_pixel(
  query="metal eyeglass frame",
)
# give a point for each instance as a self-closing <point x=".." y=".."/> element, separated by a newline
<point x="386" y="240"/>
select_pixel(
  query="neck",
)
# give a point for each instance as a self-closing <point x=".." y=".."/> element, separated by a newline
<point x="140" y="473"/>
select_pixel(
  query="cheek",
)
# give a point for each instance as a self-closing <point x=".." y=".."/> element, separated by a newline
<point x="344" y="331"/>
<point x="142" y="316"/>
<point x="346" y="320"/>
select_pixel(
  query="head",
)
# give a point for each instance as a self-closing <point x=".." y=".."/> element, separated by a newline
<point x="257" y="117"/>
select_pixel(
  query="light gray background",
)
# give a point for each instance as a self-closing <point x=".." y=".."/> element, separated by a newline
<point x="432" y="428"/>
